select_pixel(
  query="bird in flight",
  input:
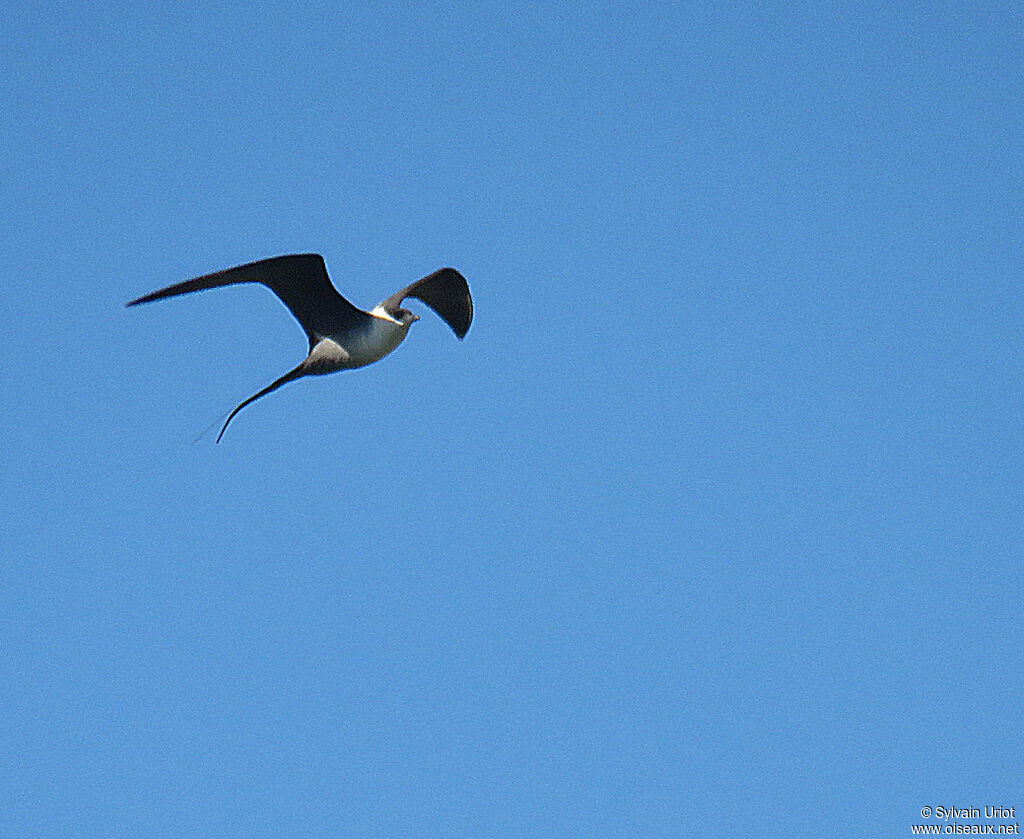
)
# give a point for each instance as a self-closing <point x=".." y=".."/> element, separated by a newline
<point x="341" y="337"/>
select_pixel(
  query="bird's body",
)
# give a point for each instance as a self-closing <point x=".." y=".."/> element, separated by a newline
<point x="369" y="342"/>
<point x="341" y="337"/>
<point x="381" y="335"/>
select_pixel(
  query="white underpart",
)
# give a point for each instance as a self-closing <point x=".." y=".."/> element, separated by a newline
<point x="355" y="349"/>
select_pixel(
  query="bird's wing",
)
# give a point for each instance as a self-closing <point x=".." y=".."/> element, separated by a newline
<point x="300" y="280"/>
<point x="446" y="292"/>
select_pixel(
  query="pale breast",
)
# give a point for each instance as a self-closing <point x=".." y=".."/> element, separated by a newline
<point x="375" y="340"/>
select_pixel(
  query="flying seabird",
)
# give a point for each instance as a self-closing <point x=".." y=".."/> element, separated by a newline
<point x="341" y="337"/>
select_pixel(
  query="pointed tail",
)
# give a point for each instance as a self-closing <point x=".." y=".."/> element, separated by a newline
<point x="297" y="373"/>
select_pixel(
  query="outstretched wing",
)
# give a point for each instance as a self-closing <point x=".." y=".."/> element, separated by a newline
<point x="299" y="280"/>
<point x="446" y="292"/>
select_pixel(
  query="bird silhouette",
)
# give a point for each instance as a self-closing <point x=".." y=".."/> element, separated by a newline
<point x="341" y="336"/>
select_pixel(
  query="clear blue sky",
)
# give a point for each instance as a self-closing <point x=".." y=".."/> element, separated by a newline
<point x="711" y="526"/>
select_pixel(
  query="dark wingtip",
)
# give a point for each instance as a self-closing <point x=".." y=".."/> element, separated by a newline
<point x="464" y="328"/>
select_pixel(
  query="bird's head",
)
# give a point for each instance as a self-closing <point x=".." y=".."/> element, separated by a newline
<point x="405" y="317"/>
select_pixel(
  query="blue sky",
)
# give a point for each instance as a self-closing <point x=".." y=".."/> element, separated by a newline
<point x="712" y="523"/>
